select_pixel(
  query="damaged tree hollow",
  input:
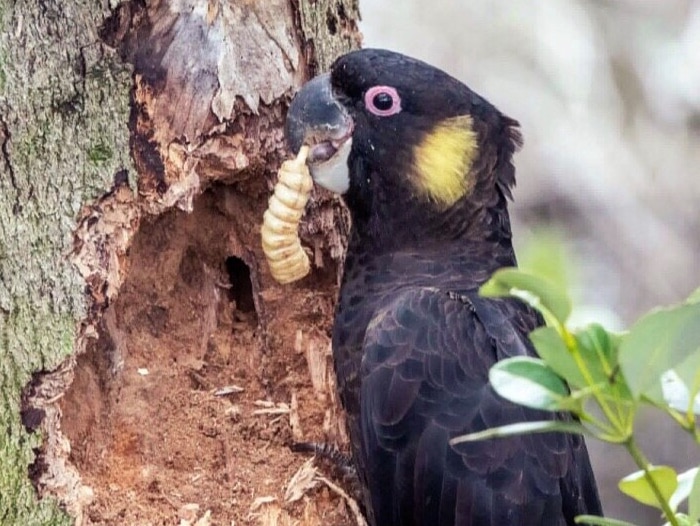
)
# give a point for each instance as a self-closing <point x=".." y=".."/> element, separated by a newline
<point x="151" y="368"/>
<point x="181" y="403"/>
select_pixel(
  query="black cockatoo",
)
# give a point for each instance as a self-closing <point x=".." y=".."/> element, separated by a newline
<point x="424" y="165"/>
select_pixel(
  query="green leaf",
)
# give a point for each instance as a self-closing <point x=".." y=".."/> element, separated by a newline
<point x="540" y="293"/>
<point x="685" y="485"/>
<point x="530" y="382"/>
<point x="660" y="341"/>
<point x="552" y="349"/>
<point x="599" y="352"/>
<point x="694" y="296"/>
<point x="676" y="393"/>
<point x="694" y="500"/>
<point x="676" y="385"/>
<point x="599" y="521"/>
<point x="682" y="520"/>
<point x="637" y="486"/>
<point x="521" y="428"/>
<point x="598" y="349"/>
<point x="546" y="252"/>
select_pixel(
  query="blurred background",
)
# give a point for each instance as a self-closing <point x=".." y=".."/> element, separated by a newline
<point x="608" y="97"/>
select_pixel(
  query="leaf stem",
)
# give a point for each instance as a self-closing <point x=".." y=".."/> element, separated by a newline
<point x="572" y="345"/>
<point x="690" y="413"/>
<point x="643" y="464"/>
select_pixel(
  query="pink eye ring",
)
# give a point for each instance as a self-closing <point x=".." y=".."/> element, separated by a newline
<point x="383" y="101"/>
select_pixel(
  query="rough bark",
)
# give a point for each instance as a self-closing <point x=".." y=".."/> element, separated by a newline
<point x="110" y="119"/>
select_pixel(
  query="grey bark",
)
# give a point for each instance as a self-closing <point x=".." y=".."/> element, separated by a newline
<point x="63" y="113"/>
<point x="87" y="98"/>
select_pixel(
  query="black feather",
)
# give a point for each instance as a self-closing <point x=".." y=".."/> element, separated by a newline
<point x="413" y="341"/>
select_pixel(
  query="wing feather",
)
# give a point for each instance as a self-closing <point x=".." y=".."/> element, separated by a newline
<point x="426" y="356"/>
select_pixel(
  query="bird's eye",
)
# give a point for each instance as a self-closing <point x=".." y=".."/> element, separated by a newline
<point x="383" y="101"/>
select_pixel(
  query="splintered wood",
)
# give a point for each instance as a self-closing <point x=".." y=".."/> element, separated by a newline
<point x="280" y="238"/>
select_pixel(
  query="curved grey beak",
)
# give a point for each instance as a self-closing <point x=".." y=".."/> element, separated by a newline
<point x="316" y="118"/>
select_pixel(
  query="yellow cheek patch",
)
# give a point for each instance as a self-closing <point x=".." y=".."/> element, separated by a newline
<point x="443" y="159"/>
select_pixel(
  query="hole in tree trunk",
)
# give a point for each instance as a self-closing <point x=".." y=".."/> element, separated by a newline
<point x="241" y="286"/>
<point x="150" y="430"/>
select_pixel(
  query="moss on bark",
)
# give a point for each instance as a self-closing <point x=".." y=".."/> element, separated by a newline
<point x="64" y="137"/>
<point x="64" y="108"/>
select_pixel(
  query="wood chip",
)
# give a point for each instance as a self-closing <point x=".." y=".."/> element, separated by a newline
<point x="228" y="389"/>
<point x="295" y="420"/>
<point x="318" y="352"/>
<point x="302" y="481"/>
<point x="188" y="512"/>
<point x="352" y="503"/>
<point x="204" y="520"/>
<point x="188" y="516"/>
<point x="260" y="501"/>
<point x="270" y="408"/>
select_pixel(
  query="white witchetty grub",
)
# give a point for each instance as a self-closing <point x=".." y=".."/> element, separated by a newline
<point x="280" y="239"/>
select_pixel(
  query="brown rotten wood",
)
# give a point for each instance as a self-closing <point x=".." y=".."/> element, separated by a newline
<point x="139" y="150"/>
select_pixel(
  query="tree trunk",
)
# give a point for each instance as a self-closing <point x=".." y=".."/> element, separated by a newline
<point x="151" y="371"/>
